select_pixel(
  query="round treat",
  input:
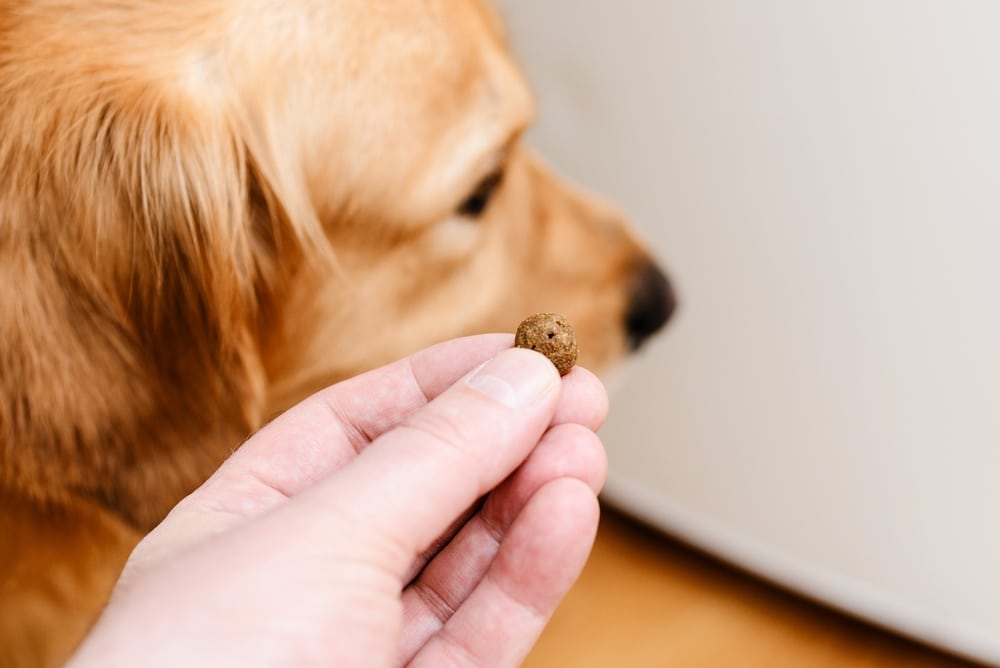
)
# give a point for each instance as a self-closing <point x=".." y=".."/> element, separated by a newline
<point x="551" y="335"/>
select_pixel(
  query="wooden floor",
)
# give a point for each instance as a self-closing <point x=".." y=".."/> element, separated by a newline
<point x="646" y="601"/>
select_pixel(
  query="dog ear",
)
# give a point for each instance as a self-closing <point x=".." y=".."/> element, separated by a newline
<point x="139" y="243"/>
<point x="143" y="222"/>
<point x="169" y="187"/>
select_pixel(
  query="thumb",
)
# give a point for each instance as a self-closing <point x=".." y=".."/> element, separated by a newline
<point x="406" y="488"/>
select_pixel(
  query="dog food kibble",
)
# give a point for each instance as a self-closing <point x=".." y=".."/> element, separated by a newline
<point x="551" y="335"/>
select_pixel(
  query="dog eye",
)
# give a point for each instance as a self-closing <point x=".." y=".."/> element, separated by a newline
<point x="479" y="200"/>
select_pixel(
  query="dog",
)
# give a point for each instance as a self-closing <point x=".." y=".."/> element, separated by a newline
<point x="210" y="209"/>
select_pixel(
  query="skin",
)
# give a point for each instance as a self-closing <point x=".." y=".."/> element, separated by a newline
<point x="341" y="533"/>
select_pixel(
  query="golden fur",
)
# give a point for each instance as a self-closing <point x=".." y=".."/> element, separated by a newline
<point x="208" y="210"/>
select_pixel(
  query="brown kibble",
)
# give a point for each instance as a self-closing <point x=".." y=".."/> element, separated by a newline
<point x="551" y="335"/>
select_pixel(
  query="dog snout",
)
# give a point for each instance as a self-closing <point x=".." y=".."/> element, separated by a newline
<point x="651" y="303"/>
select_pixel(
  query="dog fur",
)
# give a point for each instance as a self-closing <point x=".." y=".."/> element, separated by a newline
<point x="210" y="209"/>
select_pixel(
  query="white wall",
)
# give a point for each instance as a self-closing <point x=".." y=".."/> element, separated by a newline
<point x="823" y="181"/>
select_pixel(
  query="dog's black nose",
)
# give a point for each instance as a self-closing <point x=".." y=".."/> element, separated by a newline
<point x="651" y="303"/>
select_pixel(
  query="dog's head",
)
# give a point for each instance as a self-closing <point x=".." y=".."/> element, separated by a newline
<point x="209" y="203"/>
<point x="394" y="132"/>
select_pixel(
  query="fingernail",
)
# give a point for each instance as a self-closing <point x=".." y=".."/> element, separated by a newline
<point x="515" y="377"/>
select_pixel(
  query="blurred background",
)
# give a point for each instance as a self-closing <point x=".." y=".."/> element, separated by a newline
<point x="822" y="179"/>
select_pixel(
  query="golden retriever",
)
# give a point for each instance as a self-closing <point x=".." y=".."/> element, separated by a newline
<point x="210" y="209"/>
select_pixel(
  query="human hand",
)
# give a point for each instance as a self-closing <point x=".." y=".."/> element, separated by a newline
<point x="348" y="533"/>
